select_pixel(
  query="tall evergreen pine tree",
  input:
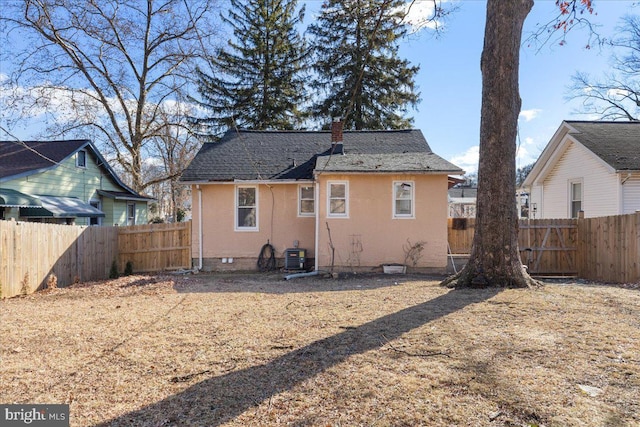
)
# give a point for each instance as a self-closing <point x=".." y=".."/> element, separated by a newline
<point x="358" y="71"/>
<point x="258" y="81"/>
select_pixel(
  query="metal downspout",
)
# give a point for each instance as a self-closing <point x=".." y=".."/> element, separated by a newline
<point x="317" y="209"/>
<point x="199" y="227"/>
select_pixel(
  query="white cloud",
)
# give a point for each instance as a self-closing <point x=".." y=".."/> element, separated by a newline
<point x="529" y="115"/>
<point x="37" y="107"/>
<point x="527" y="153"/>
<point x="468" y="160"/>
<point x="419" y="14"/>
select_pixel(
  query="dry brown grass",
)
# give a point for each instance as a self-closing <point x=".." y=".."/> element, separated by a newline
<point x="256" y="350"/>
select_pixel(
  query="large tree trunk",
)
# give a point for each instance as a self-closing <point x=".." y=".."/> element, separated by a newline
<point x="495" y="259"/>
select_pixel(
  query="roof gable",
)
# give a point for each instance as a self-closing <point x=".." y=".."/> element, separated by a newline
<point x="615" y="144"/>
<point x="24" y="158"/>
<point x="272" y="155"/>
<point x="28" y="157"/>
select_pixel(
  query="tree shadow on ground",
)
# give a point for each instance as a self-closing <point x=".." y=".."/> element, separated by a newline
<point x="222" y="398"/>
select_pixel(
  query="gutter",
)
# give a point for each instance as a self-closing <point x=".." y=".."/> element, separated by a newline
<point x="199" y="227"/>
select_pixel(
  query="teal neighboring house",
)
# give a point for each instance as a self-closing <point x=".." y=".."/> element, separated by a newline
<point x="65" y="182"/>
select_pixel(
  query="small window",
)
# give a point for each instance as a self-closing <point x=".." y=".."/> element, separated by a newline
<point x="95" y="220"/>
<point x="247" y="208"/>
<point x="81" y="159"/>
<point x="403" y="199"/>
<point x="131" y="214"/>
<point x="306" y="204"/>
<point x="576" y="198"/>
<point x="338" y="199"/>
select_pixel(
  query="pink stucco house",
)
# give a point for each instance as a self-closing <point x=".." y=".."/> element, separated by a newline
<point x="354" y="200"/>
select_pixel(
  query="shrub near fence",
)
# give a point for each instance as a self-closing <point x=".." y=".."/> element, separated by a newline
<point x="30" y="252"/>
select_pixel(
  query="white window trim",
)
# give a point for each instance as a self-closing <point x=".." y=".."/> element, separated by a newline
<point x="306" y="214"/>
<point x="78" y="165"/>
<point x="570" y="198"/>
<point x="237" y="227"/>
<point x="134" y="213"/>
<point x="346" y="201"/>
<point x="395" y="215"/>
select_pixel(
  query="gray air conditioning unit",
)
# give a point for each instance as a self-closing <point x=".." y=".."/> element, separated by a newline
<point x="294" y="259"/>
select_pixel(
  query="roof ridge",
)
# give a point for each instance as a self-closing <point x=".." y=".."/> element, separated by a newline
<point x="629" y="122"/>
<point x="322" y="130"/>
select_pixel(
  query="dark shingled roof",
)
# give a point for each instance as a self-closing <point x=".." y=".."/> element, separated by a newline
<point x="460" y="192"/>
<point x="20" y="158"/>
<point x="23" y="158"/>
<point x="617" y="143"/>
<point x="387" y="163"/>
<point x="270" y="155"/>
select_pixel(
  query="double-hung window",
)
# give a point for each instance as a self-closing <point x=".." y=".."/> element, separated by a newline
<point x="575" y="201"/>
<point x="131" y="213"/>
<point x="81" y="159"/>
<point x="306" y="200"/>
<point x="338" y="199"/>
<point x="247" y="208"/>
<point x="403" y="199"/>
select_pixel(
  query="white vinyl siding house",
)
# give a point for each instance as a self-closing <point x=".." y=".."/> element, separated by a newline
<point x="553" y="195"/>
<point x="631" y="194"/>
<point x="569" y="165"/>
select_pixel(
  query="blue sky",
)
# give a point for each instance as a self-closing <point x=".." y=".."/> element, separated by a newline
<point x="450" y="79"/>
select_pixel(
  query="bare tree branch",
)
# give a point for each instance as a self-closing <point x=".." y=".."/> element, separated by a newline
<point x="117" y="63"/>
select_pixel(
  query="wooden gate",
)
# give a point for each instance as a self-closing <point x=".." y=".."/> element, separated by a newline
<point x="549" y="246"/>
<point x="155" y="247"/>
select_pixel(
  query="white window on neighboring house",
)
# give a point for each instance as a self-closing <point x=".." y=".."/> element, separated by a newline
<point x="131" y="213"/>
<point x="338" y="199"/>
<point x="575" y="203"/>
<point x="246" y="208"/>
<point x="403" y="199"/>
<point x="306" y="200"/>
<point x="81" y="159"/>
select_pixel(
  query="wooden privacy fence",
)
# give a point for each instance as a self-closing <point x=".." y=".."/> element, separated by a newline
<point x="609" y="248"/>
<point x="30" y="252"/>
<point x="155" y="247"/>
<point x="602" y="249"/>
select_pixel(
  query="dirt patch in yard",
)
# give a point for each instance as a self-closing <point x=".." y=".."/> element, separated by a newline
<point x="381" y="350"/>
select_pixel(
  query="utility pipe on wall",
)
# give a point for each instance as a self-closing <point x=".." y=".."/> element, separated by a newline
<point x="199" y="227"/>
<point x="317" y="209"/>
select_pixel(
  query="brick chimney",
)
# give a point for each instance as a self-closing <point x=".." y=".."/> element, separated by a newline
<point x="336" y="136"/>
